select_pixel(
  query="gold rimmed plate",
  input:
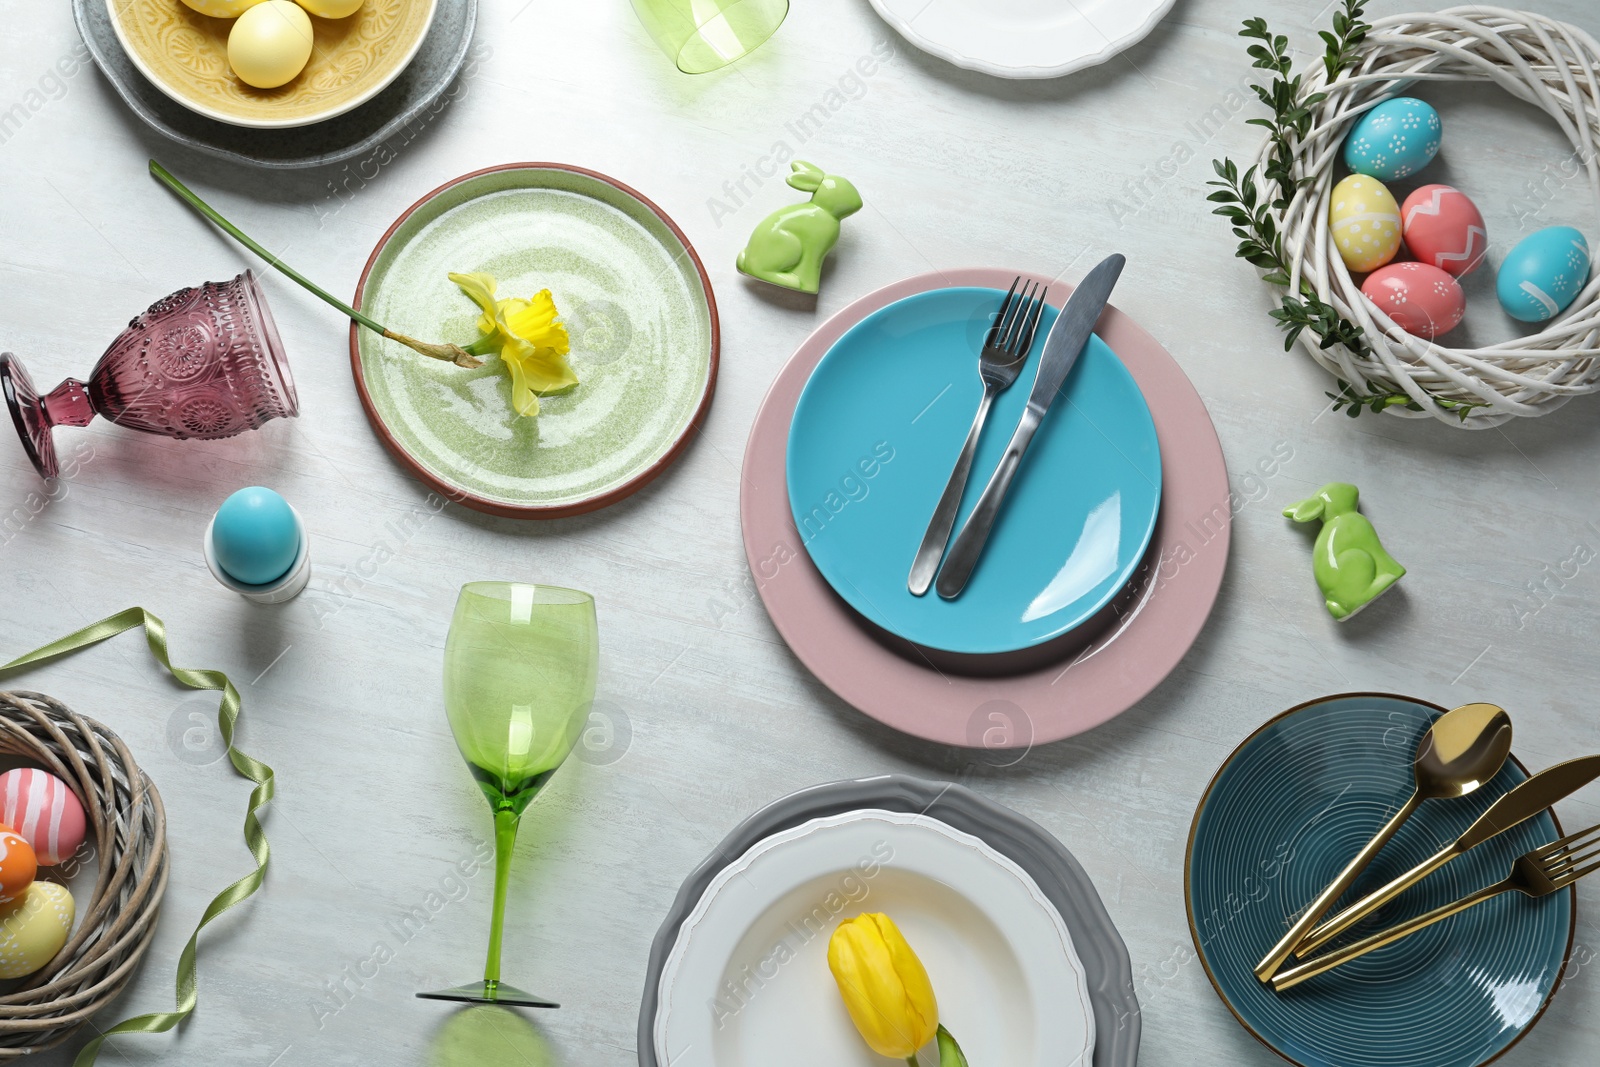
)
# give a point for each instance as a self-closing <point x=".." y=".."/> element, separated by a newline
<point x="1286" y="811"/>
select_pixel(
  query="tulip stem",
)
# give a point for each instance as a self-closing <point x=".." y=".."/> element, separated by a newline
<point x="451" y="353"/>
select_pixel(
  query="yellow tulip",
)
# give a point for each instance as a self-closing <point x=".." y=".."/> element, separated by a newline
<point x="531" y="343"/>
<point x="884" y="985"/>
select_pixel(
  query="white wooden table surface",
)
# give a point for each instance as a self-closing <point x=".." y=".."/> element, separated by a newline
<point x="714" y="716"/>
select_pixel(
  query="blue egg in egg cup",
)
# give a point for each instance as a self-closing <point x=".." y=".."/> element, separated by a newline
<point x="257" y="545"/>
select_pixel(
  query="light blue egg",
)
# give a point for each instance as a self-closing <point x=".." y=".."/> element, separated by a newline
<point x="1543" y="273"/>
<point x="1394" y="140"/>
<point x="255" y="536"/>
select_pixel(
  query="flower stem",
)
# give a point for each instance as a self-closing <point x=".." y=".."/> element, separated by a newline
<point x="452" y="353"/>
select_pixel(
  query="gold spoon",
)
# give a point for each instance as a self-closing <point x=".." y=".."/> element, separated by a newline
<point x="1462" y="750"/>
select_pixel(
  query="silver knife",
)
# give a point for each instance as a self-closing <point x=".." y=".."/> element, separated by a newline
<point x="1061" y="350"/>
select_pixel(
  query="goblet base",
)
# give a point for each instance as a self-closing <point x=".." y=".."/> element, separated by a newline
<point x="27" y="411"/>
<point x="490" y="993"/>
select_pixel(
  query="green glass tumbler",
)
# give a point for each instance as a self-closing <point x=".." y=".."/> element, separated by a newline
<point x="702" y="35"/>
<point x="519" y="674"/>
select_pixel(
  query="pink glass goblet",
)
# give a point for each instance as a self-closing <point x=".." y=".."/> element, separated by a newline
<point x="204" y="362"/>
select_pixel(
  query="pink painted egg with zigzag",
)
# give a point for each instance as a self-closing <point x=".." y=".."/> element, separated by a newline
<point x="1444" y="228"/>
<point x="44" y="811"/>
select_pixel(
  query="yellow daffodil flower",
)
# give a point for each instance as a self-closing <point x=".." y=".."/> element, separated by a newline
<point x="529" y="340"/>
<point x="887" y="991"/>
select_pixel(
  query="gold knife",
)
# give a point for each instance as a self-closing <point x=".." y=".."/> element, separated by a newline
<point x="1523" y="802"/>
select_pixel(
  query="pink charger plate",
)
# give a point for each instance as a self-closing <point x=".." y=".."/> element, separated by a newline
<point x="1147" y="629"/>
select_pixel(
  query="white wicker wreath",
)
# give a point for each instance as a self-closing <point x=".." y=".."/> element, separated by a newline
<point x="1547" y="63"/>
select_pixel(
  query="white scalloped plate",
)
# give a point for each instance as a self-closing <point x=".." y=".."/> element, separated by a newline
<point x="748" y="983"/>
<point x="1023" y="38"/>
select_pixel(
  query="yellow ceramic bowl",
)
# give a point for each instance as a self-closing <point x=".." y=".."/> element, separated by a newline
<point x="185" y="55"/>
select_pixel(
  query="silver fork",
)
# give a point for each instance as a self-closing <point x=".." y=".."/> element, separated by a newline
<point x="1536" y="873"/>
<point x="1005" y="350"/>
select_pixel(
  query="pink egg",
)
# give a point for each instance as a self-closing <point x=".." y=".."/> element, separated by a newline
<point x="43" y="811"/>
<point x="1444" y="229"/>
<point x="1422" y="300"/>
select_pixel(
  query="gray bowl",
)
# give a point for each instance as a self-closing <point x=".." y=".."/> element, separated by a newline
<point x="400" y="108"/>
<point x="1026" y="843"/>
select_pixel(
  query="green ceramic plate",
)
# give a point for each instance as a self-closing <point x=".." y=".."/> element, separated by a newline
<point x="638" y="307"/>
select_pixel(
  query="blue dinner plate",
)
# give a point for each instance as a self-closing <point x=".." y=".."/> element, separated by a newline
<point x="877" y="430"/>
<point x="1280" y="820"/>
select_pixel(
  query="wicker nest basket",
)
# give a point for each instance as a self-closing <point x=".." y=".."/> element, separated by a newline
<point x="116" y="920"/>
<point x="1550" y="64"/>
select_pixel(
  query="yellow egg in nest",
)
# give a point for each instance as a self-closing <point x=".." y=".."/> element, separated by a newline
<point x="1365" y="221"/>
<point x="270" y="44"/>
<point x="222" y="9"/>
<point x="332" y="9"/>
<point x="34" y="927"/>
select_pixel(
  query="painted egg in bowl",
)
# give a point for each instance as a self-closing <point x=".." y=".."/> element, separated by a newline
<point x="185" y="55"/>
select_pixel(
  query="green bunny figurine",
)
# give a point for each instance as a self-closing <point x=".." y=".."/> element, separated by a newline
<point x="788" y="247"/>
<point x="1351" y="566"/>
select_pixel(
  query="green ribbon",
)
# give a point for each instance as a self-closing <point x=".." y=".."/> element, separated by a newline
<point x="155" y="633"/>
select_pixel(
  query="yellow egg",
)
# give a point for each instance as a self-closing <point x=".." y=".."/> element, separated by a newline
<point x="222" y="9"/>
<point x="33" y="928"/>
<point x="331" y="9"/>
<point x="270" y="43"/>
<point x="1365" y="221"/>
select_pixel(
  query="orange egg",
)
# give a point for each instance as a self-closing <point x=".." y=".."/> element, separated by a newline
<point x="18" y="865"/>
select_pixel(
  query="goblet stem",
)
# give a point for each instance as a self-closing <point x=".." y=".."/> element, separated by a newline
<point x="506" y="821"/>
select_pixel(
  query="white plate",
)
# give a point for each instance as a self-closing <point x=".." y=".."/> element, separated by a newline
<point x="1023" y="38"/>
<point x="747" y="981"/>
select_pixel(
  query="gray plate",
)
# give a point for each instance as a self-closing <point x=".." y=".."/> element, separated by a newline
<point x="1029" y="845"/>
<point x="401" y="105"/>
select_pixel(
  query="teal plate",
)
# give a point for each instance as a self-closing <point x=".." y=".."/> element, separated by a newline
<point x="874" y="437"/>
<point x="638" y="307"/>
<point x="1280" y="820"/>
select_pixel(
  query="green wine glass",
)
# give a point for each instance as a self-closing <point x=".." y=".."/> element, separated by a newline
<point x="703" y="35"/>
<point x="519" y="675"/>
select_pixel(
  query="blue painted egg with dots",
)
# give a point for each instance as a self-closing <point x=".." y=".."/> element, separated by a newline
<point x="1394" y="140"/>
<point x="1542" y="275"/>
<point x="255" y="536"/>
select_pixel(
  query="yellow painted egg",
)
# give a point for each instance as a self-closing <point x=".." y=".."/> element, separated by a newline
<point x="222" y="9"/>
<point x="33" y="929"/>
<point x="18" y="864"/>
<point x="1365" y="221"/>
<point x="332" y="9"/>
<point x="270" y="44"/>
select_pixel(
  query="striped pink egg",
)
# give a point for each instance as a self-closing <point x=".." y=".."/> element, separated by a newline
<point x="40" y="808"/>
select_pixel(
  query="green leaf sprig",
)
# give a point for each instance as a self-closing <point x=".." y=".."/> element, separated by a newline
<point x="1249" y="199"/>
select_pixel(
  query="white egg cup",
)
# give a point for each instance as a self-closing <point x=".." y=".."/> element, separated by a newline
<point x="291" y="585"/>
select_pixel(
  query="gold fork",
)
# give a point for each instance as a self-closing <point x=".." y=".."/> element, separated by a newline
<point x="1535" y="874"/>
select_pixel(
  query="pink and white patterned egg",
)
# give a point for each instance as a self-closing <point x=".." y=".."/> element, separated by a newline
<point x="1444" y="229"/>
<point x="1422" y="299"/>
<point x="47" y="814"/>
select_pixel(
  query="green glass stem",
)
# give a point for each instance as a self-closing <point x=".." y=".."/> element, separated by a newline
<point x="506" y="821"/>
